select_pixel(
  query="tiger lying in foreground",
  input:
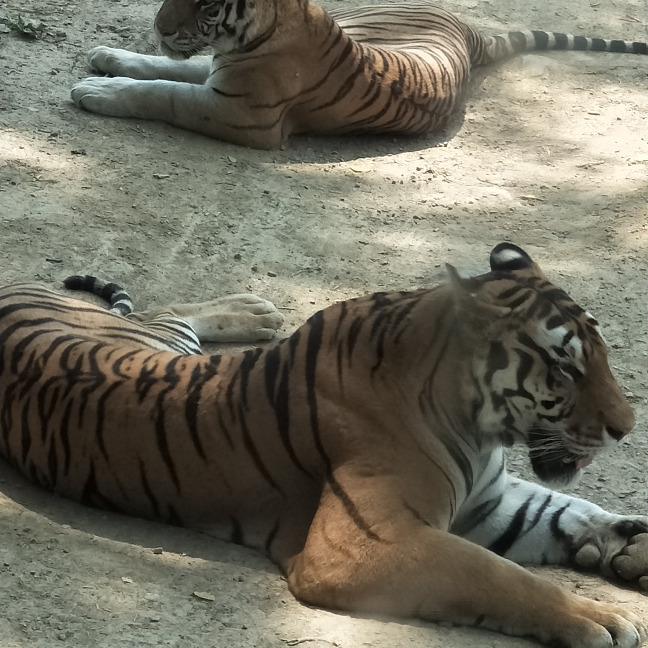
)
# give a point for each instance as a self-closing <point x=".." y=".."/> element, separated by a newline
<point x="287" y="66"/>
<point x="363" y="454"/>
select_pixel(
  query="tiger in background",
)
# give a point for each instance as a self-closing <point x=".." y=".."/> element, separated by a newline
<point x="364" y="454"/>
<point x="288" y="66"/>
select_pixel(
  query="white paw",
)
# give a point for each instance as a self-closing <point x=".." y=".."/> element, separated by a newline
<point x="249" y="318"/>
<point x="116" y="62"/>
<point x="106" y="96"/>
<point x="105" y="60"/>
<point x="632" y="563"/>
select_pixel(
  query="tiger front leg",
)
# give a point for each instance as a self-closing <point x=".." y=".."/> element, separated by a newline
<point x="123" y="63"/>
<point x="414" y="570"/>
<point x="531" y="524"/>
<point x="198" y="108"/>
<point x="234" y="318"/>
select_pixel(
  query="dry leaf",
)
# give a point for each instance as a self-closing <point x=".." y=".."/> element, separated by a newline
<point x="205" y="596"/>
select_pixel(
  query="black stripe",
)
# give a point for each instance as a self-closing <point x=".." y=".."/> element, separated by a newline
<point x="223" y="428"/>
<point x="282" y="411"/>
<point x="101" y="417"/>
<point x="598" y="45"/>
<point x="250" y="358"/>
<point x="194" y="391"/>
<point x="502" y="544"/>
<point x="313" y="345"/>
<point x="145" y="379"/>
<point x="254" y="453"/>
<point x="352" y="335"/>
<point x="416" y="514"/>
<point x="561" y="41"/>
<point x="401" y="318"/>
<point x="580" y="43"/>
<point x="172" y="379"/>
<point x="339" y="34"/>
<point x="528" y="341"/>
<point x="541" y="509"/>
<point x="351" y="508"/>
<point x="509" y="292"/>
<point x="520" y="299"/>
<point x="555" y="524"/>
<point x="526" y="365"/>
<point x="271" y="372"/>
<point x="478" y="515"/>
<point x="566" y="339"/>
<point x="147" y="489"/>
<point x="90" y="495"/>
<point x="554" y="322"/>
<point x="541" y="39"/>
<point x="496" y="360"/>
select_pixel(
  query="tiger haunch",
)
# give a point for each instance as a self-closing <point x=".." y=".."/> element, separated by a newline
<point x="363" y="454"/>
<point x="287" y="66"/>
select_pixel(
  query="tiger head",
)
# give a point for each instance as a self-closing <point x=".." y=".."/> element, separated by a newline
<point x="541" y="374"/>
<point x="186" y="27"/>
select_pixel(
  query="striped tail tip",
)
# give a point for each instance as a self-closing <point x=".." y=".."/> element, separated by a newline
<point x="118" y="299"/>
<point x="516" y="42"/>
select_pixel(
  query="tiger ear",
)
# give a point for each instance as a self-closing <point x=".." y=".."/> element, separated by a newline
<point x="508" y="257"/>
<point x="470" y="302"/>
<point x="466" y="284"/>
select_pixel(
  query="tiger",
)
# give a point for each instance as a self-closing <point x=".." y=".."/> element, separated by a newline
<point x="288" y="66"/>
<point x="363" y="453"/>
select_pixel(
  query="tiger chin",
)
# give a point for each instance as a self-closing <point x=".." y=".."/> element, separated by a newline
<point x="364" y="454"/>
<point x="288" y="66"/>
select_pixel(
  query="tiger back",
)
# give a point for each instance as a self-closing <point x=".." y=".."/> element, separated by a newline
<point x="288" y="66"/>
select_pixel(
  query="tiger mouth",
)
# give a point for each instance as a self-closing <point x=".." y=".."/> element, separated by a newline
<point x="175" y="54"/>
<point x="552" y="461"/>
<point x="581" y="461"/>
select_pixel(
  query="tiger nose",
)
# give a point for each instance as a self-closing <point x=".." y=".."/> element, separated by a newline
<point x="618" y="432"/>
<point x="614" y="433"/>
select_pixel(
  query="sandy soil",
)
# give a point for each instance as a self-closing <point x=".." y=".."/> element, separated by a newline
<point x="552" y="154"/>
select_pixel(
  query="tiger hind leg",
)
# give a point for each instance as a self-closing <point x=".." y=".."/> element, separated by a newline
<point x="234" y="318"/>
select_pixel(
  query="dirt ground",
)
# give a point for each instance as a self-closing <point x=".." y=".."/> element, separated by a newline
<point x="552" y="154"/>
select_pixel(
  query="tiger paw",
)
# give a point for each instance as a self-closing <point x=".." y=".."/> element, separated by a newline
<point x="247" y="318"/>
<point x="592" y="624"/>
<point x="106" y="60"/>
<point x="234" y="318"/>
<point x="105" y="96"/>
<point x="615" y="547"/>
<point x="116" y="62"/>
<point x="632" y="563"/>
